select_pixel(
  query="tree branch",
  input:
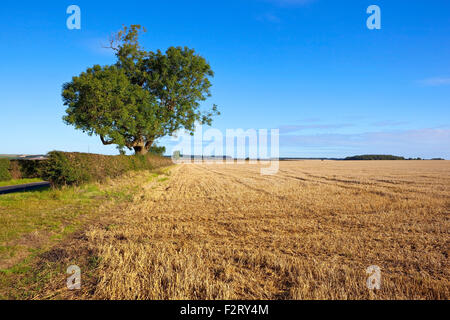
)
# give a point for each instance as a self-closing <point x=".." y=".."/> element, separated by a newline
<point x="113" y="43"/>
<point x="105" y="142"/>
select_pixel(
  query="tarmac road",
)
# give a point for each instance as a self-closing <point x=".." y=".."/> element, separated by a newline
<point x="24" y="187"/>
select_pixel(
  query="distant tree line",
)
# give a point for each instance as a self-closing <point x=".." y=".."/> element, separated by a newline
<point x="375" y="157"/>
<point x="383" y="157"/>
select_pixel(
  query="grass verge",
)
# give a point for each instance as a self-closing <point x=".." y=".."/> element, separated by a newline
<point x="31" y="223"/>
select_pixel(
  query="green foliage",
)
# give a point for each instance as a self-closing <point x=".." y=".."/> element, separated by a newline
<point x="4" y="170"/>
<point x="375" y="157"/>
<point x="145" y="96"/>
<point x="28" y="168"/>
<point x="103" y="101"/>
<point x="63" y="168"/>
<point x="157" y="150"/>
<point x="58" y="170"/>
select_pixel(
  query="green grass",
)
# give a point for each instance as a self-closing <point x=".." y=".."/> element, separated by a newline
<point x="32" y="222"/>
<point x="51" y="215"/>
<point x="48" y="210"/>
<point x="18" y="182"/>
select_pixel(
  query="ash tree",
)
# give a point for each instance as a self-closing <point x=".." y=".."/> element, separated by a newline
<point x="144" y="96"/>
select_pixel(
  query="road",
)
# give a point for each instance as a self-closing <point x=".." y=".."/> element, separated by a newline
<point x="24" y="187"/>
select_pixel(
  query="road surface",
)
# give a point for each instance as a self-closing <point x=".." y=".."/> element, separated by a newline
<point x="24" y="187"/>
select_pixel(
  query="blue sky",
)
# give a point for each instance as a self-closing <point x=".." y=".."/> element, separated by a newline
<point x="308" y="67"/>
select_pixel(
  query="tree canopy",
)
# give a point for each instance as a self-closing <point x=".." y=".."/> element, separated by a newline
<point x="144" y="96"/>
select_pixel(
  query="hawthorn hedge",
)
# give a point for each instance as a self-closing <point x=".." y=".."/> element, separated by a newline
<point x="4" y="170"/>
<point x="64" y="168"/>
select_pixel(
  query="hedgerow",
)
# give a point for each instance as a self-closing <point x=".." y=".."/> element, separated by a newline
<point x="4" y="170"/>
<point x="63" y="168"/>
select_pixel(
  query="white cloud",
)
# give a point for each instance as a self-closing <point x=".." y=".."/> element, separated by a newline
<point x="437" y="81"/>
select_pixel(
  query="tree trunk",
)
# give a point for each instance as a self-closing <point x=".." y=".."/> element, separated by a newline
<point x="142" y="150"/>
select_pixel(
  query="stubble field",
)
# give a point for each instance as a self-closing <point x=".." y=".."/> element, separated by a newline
<point x="309" y="232"/>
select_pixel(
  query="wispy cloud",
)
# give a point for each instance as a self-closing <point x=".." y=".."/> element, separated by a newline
<point x="295" y="128"/>
<point x="388" y="123"/>
<point x="434" y="82"/>
<point x="268" y="17"/>
<point x="290" y="3"/>
<point x="421" y="142"/>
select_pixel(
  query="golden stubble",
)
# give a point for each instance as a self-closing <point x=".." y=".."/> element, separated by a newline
<point x="309" y="232"/>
